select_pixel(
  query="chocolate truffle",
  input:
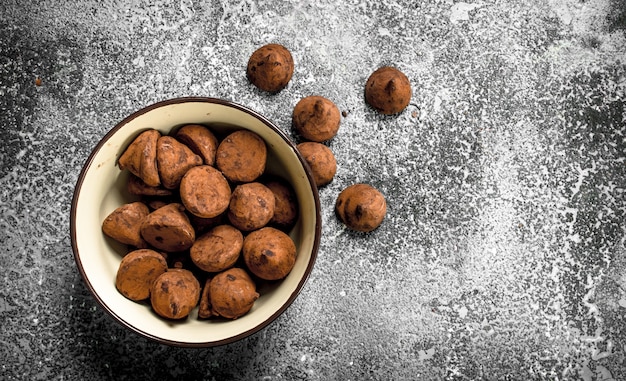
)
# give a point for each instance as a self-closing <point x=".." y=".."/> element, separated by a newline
<point x="269" y="253"/>
<point x="270" y="67"/>
<point x="388" y="90"/>
<point x="218" y="249"/>
<point x="251" y="206"/>
<point x="205" y="192"/>
<point x="140" y="157"/>
<point x="232" y="293"/>
<point x="241" y="156"/>
<point x="137" y="271"/>
<point x="321" y="160"/>
<point x="175" y="293"/>
<point x="316" y="118"/>
<point x="361" y="207"/>
<point x="200" y="140"/>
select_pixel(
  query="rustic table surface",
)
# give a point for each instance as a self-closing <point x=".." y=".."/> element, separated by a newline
<point x="502" y="256"/>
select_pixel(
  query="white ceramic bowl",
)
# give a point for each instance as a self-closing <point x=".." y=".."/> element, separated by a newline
<point x="101" y="188"/>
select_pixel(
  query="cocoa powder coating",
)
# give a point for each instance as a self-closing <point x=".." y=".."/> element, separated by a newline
<point x="124" y="223"/>
<point x="232" y="293"/>
<point x="201" y="140"/>
<point x="218" y="249"/>
<point x="174" y="159"/>
<point x="168" y="228"/>
<point x="269" y="253"/>
<point x="137" y="271"/>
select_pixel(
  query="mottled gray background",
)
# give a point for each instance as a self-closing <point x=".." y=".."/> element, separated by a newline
<point x="502" y="256"/>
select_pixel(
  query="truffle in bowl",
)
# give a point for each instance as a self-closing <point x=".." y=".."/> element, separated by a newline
<point x="102" y="187"/>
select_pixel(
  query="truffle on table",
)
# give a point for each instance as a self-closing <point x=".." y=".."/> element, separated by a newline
<point x="270" y="67"/>
<point x="316" y="118"/>
<point x="361" y="207"/>
<point x="388" y="90"/>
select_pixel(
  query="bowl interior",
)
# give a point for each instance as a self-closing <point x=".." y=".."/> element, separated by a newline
<point x="102" y="188"/>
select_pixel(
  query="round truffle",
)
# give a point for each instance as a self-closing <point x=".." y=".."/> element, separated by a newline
<point x="316" y="118"/>
<point x="251" y="206"/>
<point x="321" y="160"/>
<point x="217" y="249"/>
<point x="241" y="156"/>
<point x="270" y="67"/>
<point x="232" y="293"/>
<point x="388" y="90"/>
<point x="137" y="272"/>
<point x="269" y="253"/>
<point x="204" y="191"/>
<point x="175" y="293"/>
<point x="361" y="207"/>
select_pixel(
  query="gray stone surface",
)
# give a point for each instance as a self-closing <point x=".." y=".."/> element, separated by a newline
<point x="502" y="256"/>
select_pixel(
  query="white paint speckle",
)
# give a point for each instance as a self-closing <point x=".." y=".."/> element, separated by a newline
<point x="460" y="11"/>
<point x="462" y="311"/>
<point x="426" y="354"/>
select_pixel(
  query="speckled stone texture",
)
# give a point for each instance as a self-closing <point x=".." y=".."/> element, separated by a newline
<point x="503" y="253"/>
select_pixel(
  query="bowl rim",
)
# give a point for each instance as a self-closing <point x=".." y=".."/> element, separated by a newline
<point x="172" y="101"/>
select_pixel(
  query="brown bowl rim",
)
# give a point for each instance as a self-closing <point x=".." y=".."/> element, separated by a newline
<point x="89" y="162"/>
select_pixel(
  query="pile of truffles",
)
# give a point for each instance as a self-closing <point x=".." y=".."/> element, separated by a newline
<point x="207" y="220"/>
<point x="201" y="234"/>
<point x="316" y="120"/>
